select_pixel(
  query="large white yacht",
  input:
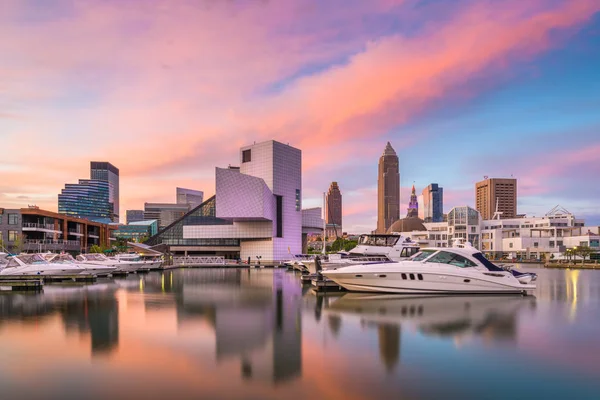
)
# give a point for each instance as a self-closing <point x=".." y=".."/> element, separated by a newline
<point x="370" y="249"/>
<point x="458" y="269"/>
<point x="101" y="259"/>
<point x="35" y="264"/>
<point x="65" y="258"/>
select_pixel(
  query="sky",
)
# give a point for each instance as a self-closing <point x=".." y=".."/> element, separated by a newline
<point x="168" y="90"/>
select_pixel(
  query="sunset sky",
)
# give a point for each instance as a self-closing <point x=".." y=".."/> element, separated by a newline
<point x="168" y="90"/>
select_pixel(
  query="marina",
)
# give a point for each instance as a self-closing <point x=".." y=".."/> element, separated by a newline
<point x="251" y="333"/>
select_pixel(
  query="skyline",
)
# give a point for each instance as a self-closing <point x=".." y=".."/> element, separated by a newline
<point x="172" y="91"/>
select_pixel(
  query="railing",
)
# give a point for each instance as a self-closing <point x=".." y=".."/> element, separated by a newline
<point x="194" y="260"/>
<point x="40" y="226"/>
<point x="50" y="241"/>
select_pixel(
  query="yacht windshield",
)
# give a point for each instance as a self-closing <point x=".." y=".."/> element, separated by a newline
<point x="423" y="254"/>
<point x="489" y="265"/>
<point x="445" y="257"/>
<point x="32" y="259"/>
<point x="378" y="240"/>
<point x="94" y="257"/>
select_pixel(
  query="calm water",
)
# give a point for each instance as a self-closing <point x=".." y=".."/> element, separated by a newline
<point x="259" y="334"/>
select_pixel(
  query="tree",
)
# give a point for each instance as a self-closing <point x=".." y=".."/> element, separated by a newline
<point x="17" y="244"/>
<point x="95" y="249"/>
<point x="585" y="252"/>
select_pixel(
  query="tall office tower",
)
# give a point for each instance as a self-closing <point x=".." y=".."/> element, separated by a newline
<point x="90" y="198"/>
<point x="164" y="213"/>
<point x="433" y="203"/>
<point x="413" y="205"/>
<point x="388" y="190"/>
<point x="500" y="191"/>
<point x="193" y="198"/>
<point x="134" y="216"/>
<point x="105" y="171"/>
<point x="333" y="207"/>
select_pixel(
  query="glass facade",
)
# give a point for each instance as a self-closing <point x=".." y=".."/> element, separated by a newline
<point x="204" y="214"/>
<point x="105" y="171"/>
<point x="89" y="199"/>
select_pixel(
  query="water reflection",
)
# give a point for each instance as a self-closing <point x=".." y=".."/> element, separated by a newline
<point x="228" y="333"/>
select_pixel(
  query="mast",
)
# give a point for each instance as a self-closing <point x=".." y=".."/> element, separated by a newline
<point x="324" y="223"/>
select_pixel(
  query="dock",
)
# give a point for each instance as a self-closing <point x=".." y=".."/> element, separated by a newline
<point x="35" y="285"/>
<point x="325" y="285"/>
<point x="47" y="278"/>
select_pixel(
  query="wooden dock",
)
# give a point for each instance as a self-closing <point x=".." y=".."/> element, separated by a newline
<point x="325" y="285"/>
<point x="35" y="285"/>
<point x="47" y="278"/>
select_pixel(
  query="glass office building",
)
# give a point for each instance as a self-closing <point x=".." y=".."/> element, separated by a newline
<point x="90" y="198"/>
<point x="105" y="171"/>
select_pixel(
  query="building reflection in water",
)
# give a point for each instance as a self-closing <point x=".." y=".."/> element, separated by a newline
<point x="256" y="316"/>
<point x="91" y="310"/>
<point x="457" y="317"/>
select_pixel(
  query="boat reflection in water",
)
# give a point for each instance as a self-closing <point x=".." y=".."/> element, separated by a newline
<point x="459" y="317"/>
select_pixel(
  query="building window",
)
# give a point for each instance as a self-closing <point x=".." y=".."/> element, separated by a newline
<point x="12" y="236"/>
<point x="510" y="245"/>
<point x="473" y="229"/>
<point x="552" y="243"/>
<point x="246" y="156"/>
<point x="559" y="242"/>
<point x="13" y="219"/>
<point x="583" y="244"/>
<point x="279" y="201"/>
<point x="535" y="244"/>
<point x="298" y="203"/>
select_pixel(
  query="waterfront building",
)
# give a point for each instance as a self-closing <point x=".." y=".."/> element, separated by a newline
<point x="413" y="205"/>
<point x="164" y="213"/>
<point x="90" y="199"/>
<point x="388" y="190"/>
<point x="134" y="216"/>
<point x="34" y="230"/>
<point x="496" y="191"/>
<point x="256" y="211"/>
<point x="527" y="238"/>
<point x="312" y="224"/>
<point x="105" y="171"/>
<point x="333" y="210"/>
<point x="193" y="198"/>
<point x="433" y="203"/>
<point x="136" y="231"/>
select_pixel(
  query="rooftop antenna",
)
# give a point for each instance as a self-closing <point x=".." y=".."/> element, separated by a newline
<point x="497" y="213"/>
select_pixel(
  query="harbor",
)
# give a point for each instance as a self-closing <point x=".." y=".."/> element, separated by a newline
<point x="284" y="330"/>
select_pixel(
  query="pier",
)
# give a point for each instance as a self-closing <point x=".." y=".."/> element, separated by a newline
<point x="35" y="285"/>
<point x="47" y="278"/>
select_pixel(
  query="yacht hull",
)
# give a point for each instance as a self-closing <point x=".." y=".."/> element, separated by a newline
<point x="407" y="282"/>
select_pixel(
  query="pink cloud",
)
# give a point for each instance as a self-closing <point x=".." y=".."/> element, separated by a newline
<point x="163" y="88"/>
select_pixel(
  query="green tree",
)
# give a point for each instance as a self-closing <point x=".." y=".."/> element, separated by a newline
<point x="17" y="244"/>
<point x="350" y="244"/>
<point x="585" y="252"/>
<point x="95" y="249"/>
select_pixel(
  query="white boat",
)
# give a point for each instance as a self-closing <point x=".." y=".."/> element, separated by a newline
<point x="35" y="264"/>
<point x="370" y="249"/>
<point x="65" y="258"/>
<point x="459" y="269"/>
<point x="144" y="265"/>
<point x="101" y="259"/>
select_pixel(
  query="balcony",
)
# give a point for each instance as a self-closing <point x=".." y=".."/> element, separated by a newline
<point x="75" y="232"/>
<point x="51" y="245"/>
<point x="31" y="226"/>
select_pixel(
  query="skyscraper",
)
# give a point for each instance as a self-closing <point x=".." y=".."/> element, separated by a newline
<point x="413" y="205"/>
<point x="90" y="198"/>
<point x="134" y="216"/>
<point x="433" y="203"/>
<point x="496" y="190"/>
<point x="105" y="171"/>
<point x="388" y="190"/>
<point x="333" y="207"/>
<point x="193" y="198"/>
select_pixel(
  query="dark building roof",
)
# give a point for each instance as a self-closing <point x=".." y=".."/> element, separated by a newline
<point x="408" y="224"/>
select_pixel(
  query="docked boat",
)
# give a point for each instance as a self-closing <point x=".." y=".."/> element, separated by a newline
<point x="35" y="264"/>
<point x="101" y="259"/>
<point x="65" y="258"/>
<point x="458" y="269"/>
<point x="144" y="265"/>
<point x="370" y="249"/>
